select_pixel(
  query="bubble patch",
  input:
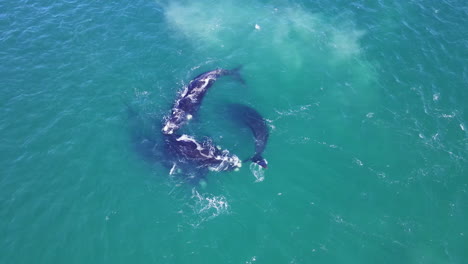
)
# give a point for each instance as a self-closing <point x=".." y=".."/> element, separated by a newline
<point x="257" y="171"/>
<point x="208" y="206"/>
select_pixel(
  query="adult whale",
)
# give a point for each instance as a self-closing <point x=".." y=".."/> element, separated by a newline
<point x="182" y="157"/>
<point x="251" y="118"/>
<point x="203" y="154"/>
<point x="190" y="99"/>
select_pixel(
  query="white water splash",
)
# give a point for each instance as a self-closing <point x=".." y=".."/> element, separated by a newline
<point x="140" y="94"/>
<point x="208" y="206"/>
<point x="257" y="171"/>
<point x="358" y="162"/>
<point x="295" y="110"/>
<point x="252" y="260"/>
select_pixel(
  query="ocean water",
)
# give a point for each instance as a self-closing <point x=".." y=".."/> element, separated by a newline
<point x="366" y="103"/>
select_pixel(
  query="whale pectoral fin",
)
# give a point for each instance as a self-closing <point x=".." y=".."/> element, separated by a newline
<point x="173" y="169"/>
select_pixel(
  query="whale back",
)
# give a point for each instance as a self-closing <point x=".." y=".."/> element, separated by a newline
<point x="189" y="101"/>
<point x="203" y="154"/>
<point x="249" y="117"/>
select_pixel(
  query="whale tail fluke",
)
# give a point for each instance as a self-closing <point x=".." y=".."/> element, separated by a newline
<point x="236" y="74"/>
<point x="258" y="159"/>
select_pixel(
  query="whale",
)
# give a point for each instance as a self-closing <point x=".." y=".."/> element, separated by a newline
<point x="152" y="148"/>
<point x="251" y="118"/>
<point x="183" y="156"/>
<point x="189" y="101"/>
<point x="204" y="154"/>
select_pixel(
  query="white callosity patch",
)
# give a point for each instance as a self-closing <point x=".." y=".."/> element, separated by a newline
<point x="194" y="94"/>
<point x="169" y="127"/>
<point x="174" y="120"/>
<point x="200" y="148"/>
<point x="226" y="161"/>
<point x="188" y="138"/>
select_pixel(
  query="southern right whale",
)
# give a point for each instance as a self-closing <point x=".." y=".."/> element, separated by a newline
<point x="205" y="154"/>
<point x="183" y="156"/>
<point x="249" y="117"/>
<point x="190" y="99"/>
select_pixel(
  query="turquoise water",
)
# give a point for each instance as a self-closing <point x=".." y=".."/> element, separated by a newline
<point x="366" y="101"/>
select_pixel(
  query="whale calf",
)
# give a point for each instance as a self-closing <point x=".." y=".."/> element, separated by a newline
<point x="190" y="99"/>
<point x="249" y="117"/>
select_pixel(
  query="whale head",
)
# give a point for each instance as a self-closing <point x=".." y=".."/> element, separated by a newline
<point x="175" y="121"/>
<point x="169" y="128"/>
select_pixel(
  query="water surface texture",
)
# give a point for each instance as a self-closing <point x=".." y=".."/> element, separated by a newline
<point x="366" y="103"/>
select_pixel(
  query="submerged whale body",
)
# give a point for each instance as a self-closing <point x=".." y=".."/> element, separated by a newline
<point x="190" y="99"/>
<point x="249" y="117"/>
<point x="205" y="154"/>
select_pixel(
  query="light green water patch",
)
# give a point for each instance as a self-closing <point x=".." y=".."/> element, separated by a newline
<point x="304" y="71"/>
<point x="302" y="50"/>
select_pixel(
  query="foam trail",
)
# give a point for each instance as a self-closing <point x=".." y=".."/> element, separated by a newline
<point x="258" y="172"/>
<point x="208" y="206"/>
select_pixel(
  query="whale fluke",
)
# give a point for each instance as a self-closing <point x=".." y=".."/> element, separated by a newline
<point x="258" y="159"/>
<point x="236" y="74"/>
